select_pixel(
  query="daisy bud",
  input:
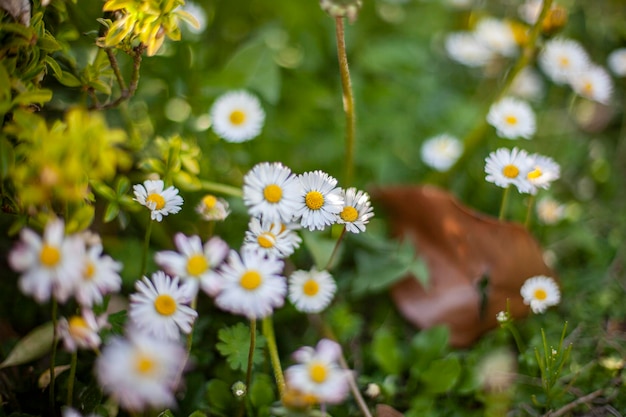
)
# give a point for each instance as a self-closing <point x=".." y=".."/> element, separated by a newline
<point x="342" y="8"/>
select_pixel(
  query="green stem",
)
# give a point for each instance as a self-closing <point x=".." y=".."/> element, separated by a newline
<point x="505" y="200"/>
<point x="251" y="352"/>
<point x="335" y="249"/>
<point x="53" y="355"/>
<point x="70" y="381"/>
<point x="268" y="332"/>
<point x="193" y="304"/>
<point x="146" y="247"/>
<point x="529" y="210"/>
<point x="220" y="188"/>
<point x="348" y="98"/>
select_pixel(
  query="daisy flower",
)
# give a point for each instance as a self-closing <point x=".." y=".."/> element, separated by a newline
<point x="506" y="167"/>
<point x="543" y="171"/>
<point x="357" y="211"/>
<point x="441" y="152"/>
<point x="158" y="307"/>
<point x="320" y="200"/>
<point x="497" y="35"/>
<point x="213" y="208"/>
<point x="253" y="286"/>
<point x="271" y="191"/>
<point x="528" y="85"/>
<point x="311" y="291"/>
<point x="593" y="83"/>
<point x="562" y="57"/>
<point x="466" y="49"/>
<point x="617" y="62"/>
<point x="318" y="372"/>
<point x="237" y="116"/>
<point x="195" y="263"/>
<point x="138" y="372"/>
<point x="161" y="202"/>
<point x="273" y="239"/>
<point x="70" y="412"/>
<point x="81" y="332"/>
<point x="512" y="118"/>
<point x="51" y="264"/>
<point x="100" y="276"/>
<point x="540" y="292"/>
<point x="550" y="211"/>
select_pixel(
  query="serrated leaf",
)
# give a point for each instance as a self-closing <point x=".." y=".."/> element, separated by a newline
<point x="234" y="344"/>
<point x="32" y="346"/>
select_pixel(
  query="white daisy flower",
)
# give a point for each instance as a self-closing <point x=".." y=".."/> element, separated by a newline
<point x="466" y="49"/>
<point x="540" y="292"/>
<point x="318" y="372"/>
<point x="158" y="307"/>
<point x="139" y="372"/>
<point x="441" y="152"/>
<point x="51" y="264"/>
<point x="271" y="191"/>
<point x="543" y="171"/>
<point x="195" y="263"/>
<point x="561" y="57"/>
<point x="497" y="35"/>
<point x="529" y="11"/>
<point x="617" y="62"/>
<point x="357" y="210"/>
<point x="81" y="332"/>
<point x="550" y="211"/>
<point x="237" y="116"/>
<point x="253" y="286"/>
<point x="213" y="208"/>
<point x="311" y="291"/>
<point x="100" y="276"/>
<point x="512" y="118"/>
<point x="528" y="85"/>
<point x="506" y="167"/>
<point x="320" y="200"/>
<point x="273" y="239"/>
<point x="593" y="83"/>
<point x="161" y="202"/>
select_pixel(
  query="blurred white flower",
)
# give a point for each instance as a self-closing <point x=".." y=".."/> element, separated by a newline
<point x="497" y="35"/>
<point x="617" y="62"/>
<point x="237" y="116"/>
<point x="512" y="118"/>
<point x="550" y="211"/>
<point x="505" y="167"/>
<point x="311" y="291"/>
<point x="496" y="371"/>
<point x="100" y="276"/>
<point x="213" y="208"/>
<point x="160" y="201"/>
<point x="528" y="85"/>
<point x="593" y="83"/>
<point x="543" y="171"/>
<point x="320" y="200"/>
<point x="81" y="332"/>
<point x="561" y="57"/>
<point x="466" y="49"/>
<point x="441" y="152"/>
<point x="540" y="292"/>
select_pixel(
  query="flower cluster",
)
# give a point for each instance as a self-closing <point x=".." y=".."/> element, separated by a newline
<point x="527" y="172"/>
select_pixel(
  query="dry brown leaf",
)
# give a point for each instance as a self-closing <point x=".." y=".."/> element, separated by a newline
<point x="383" y="410"/>
<point x="461" y="247"/>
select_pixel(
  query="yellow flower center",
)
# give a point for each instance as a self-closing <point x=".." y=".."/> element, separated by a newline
<point x="197" y="264"/>
<point x="165" y="305"/>
<point x="90" y="270"/>
<point x="144" y="364"/>
<point x="318" y="372"/>
<point x="266" y="240"/>
<point x="540" y="294"/>
<point x="250" y="280"/>
<point x="209" y="201"/>
<point x="564" y="61"/>
<point x="273" y="193"/>
<point x="237" y="117"/>
<point x="588" y="88"/>
<point x="157" y="199"/>
<point x="535" y="173"/>
<point x="510" y="171"/>
<point x="49" y="255"/>
<point x="314" y="200"/>
<point x="510" y="120"/>
<point x="349" y="214"/>
<point x="310" y="288"/>
<point x="77" y="326"/>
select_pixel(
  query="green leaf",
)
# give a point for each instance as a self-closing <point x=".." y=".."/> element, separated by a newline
<point x="442" y="374"/>
<point x="54" y="66"/>
<point x="234" y="344"/>
<point x="197" y="413"/>
<point x="261" y="390"/>
<point x="7" y="158"/>
<point x="37" y="96"/>
<point x="111" y="212"/>
<point x="166" y="413"/>
<point x="219" y="397"/>
<point x="32" y="346"/>
<point x="386" y="351"/>
<point x="429" y="345"/>
<point x="68" y="80"/>
<point x="320" y="247"/>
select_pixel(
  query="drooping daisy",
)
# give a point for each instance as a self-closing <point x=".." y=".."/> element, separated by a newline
<point x="100" y="276"/>
<point x="617" y="62"/>
<point x="274" y="239"/>
<point x="159" y="307"/>
<point x="593" y="83"/>
<point x="140" y="371"/>
<point x="497" y="35"/>
<point x="512" y="118"/>
<point x="195" y="263"/>
<point x="540" y="292"/>
<point x="81" y="332"/>
<point x="543" y="171"/>
<point x="562" y="57"/>
<point x="550" y="211"/>
<point x="318" y="372"/>
<point x="237" y="116"/>
<point x="253" y="286"/>
<point x="213" y="208"/>
<point x="357" y="210"/>
<point x="441" y="152"/>
<point x="506" y="167"/>
<point x="466" y="49"/>
<point x="160" y="201"/>
<point x="528" y="85"/>
<point x="320" y="200"/>
<point x="311" y="291"/>
<point x="51" y="264"/>
<point x="271" y="191"/>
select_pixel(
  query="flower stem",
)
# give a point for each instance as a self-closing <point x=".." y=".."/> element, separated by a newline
<point x="70" y="381"/>
<point x="348" y="98"/>
<point x="268" y="332"/>
<point x="53" y="355"/>
<point x="505" y="200"/>
<point x="335" y="249"/>
<point x="220" y="188"/>
<point x="146" y="246"/>
<point x="529" y="210"/>
<point x="251" y="352"/>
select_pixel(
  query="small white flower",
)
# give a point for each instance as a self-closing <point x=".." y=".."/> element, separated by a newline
<point x="273" y="239"/>
<point x="562" y="57"/>
<point x="357" y="210"/>
<point x="158" y="307"/>
<point x="441" y="152"/>
<point x="529" y="11"/>
<point x="540" y="292"/>
<point x="81" y="332"/>
<point x="497" y="35"/>
<point x="320" y="200"/>
<point x="100" y="276"/>
<point x="311" y="291"/>
<point x="528" y="85"/>
<point x="195" y="263"/>
<point x="271" y="191"/>
<point x="253" y="286"/>
<point x="237" y="116"/>
<point x="318" y="372"/>
<point x="140" y="372"/>
<point x="512" y="118"/>
<point x="617" y="62"/>
<point x="51" y="264"/>
<point x="161" y="202"/>
<point x="506" y="167"/>
<point x="550" y="211"/>
<point x="466" y="49"/>
<point x="503" y="317"/>
<point x="543" y="171"/>
<point x="213" y="208"/>
<point x="70" y="412"/>
<point x="593" y="83"/>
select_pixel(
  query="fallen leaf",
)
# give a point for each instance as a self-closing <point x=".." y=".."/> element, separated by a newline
<point x="383" y="410"/>
<point x="476" y="263"/>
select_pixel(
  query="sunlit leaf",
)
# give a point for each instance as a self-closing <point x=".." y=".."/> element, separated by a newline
<point x="32" y="346"/>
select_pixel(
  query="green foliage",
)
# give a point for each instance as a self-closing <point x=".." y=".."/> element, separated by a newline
<point x="234" y="344"/>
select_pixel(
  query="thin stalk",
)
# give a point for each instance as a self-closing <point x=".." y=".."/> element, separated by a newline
<point x="529" y="210"/>
<point x="53" y="355"/>
<point x="268" y="332"/>
<point x="146" y="246"/>
<point x="348" y="98"/>
<point x="505" y="200"/>
<point x="70" y="382"/>
<point x="251" y="352"/>
<point x="220" y="188"/>
<point x="335" y="249"/>
<point x="193" y="304"/>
